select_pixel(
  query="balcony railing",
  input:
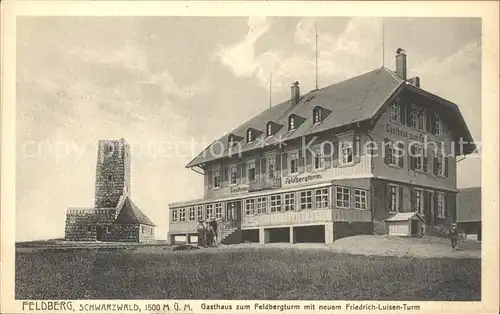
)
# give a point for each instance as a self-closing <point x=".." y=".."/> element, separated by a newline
<point x="265" y="183"/>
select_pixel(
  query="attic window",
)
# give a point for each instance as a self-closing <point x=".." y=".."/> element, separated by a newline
<point x="291" y="123"/>
<point x="317" y="115"/>
<point x="249" y="136"/>
<point x="269" y="129"/>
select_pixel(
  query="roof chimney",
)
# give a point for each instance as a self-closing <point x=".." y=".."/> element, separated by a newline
<point x="401" y="63"/>
<point x="295" y="93"/>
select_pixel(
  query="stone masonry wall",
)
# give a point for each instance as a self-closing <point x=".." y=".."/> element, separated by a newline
<point x="112" y="173"/>
<point x="146" y="234"/>
<point x="83" y="224"/>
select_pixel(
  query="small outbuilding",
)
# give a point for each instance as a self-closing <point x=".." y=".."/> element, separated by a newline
<point x="132" y="225"/>
<point x="409" y="224"/>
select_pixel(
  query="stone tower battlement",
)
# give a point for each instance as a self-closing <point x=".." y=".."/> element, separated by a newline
<point x="112" y="180"/>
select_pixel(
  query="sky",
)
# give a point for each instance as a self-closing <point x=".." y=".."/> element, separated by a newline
<point x="172" y="85"/>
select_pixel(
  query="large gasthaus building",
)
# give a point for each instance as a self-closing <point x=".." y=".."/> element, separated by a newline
<point x="375" y="154"/>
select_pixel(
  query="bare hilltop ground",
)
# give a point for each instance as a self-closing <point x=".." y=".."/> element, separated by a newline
<point x="424" y="247"/>
<point x="355" y="268"/>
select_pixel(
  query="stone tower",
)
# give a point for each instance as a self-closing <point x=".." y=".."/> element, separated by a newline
<point x="112" y="173"/>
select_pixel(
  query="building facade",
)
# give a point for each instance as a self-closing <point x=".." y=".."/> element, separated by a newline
<point x="335" y="162"/>
<point x="114" y="216"/>
<point x="469" y="211"/>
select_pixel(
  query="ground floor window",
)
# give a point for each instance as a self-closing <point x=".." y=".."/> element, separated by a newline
<point x="306" y="200"/>
<point x="209" y="211"/>
<point x="395" y="193"/>
<point x="261" y="205"/>
<point x="417" y="201"/>
<point x="360" y="199"/>
<point x="191" y="214"/>
<point x="441" y="209"/>
<point x="199" y="212"/>
<point x="289" y="201"/>
<point x="175" y="215"/>
<point x="343" y="197"/>
<point x="250" y="206"/>
<point x="275" y="201"/>
<point x="218" y="210"/>
<point x="321" y="196"/>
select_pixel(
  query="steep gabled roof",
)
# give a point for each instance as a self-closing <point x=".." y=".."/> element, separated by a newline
<point x="131" y="214"/>
<point x="358" y="99"/>
<point x="469" y="205"/>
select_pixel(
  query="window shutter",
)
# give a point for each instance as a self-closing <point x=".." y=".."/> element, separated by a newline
<point x="309" y="160"/>
<point x="402" y="113"/>
<point x="257" y="168"/>
<point x="243" y="173"/>
<point x="263" y="166"/>
<point x="428" y="121"/>
<point x="301" y="160"/>
<point x="284" y="164"/>
<point x="401" y="156"/>
<point x="412" y="199"/>
<point x="356" y="143"/>
<point x="335" y="154"/>
<point x="278" y="162"/>
<point x="328" y="155"/>
<point x="401" y="199"/>
<point x="411" y="159"/>
<point x="435" y="166"/>
<point x="387" y="151"/>
<point x="387" y="197"/>
<point x="426" y="160"/>
<point x="446" y="166"/>
<point x="238" y="172"/>
<point x="433" y="124"/>
<point x="435" y="207"/>
<point x="408" y="113"/>
<point x="210" y="179"/>
<point x="224" y="176"/>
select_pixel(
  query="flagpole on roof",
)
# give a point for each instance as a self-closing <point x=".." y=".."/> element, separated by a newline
<point x="383" y="43"/>
<point x="270" y="88"/>
<point x="316" y="58"/>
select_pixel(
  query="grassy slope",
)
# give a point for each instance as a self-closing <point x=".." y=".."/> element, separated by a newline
<point x="243" y="274"/>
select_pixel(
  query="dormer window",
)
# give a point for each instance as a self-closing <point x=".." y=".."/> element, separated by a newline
<point x="269" y="129"/>
<point x="291" y="123"/>
<point x="249" y="136"/>
<point x="317" y="115"/>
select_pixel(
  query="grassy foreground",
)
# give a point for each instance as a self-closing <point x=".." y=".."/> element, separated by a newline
<point x="242" y="274"/>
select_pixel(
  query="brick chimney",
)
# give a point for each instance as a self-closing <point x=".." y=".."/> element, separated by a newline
<point x="295" y="93"/>
<point x="401" y="63"/>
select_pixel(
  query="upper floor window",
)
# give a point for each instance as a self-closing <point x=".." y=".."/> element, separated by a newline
<point x="218" y="210"/>
<point x="291" y="123"/>
<point x="346" y="152"/>
<point x="394" y="153"/>
<point x="209" y="212"/>
<point x="417" y="158"/>
<point x="293" y="162"/>
<point x="396" y="112"/>
<point x="269" y="129"/>
<point x="233" y="174"/>
<point x="306" y="200"/>
<point x="249" y="136"/>
<point x="199" y="212"/>
<point x="437" y="126"/>
<point x="109" y="178"/>
<point x="439" y="163"/>
<point x="216" y="178"/>
<point x="417" y="117"/>
<point x="317" y="115"/>
<point x="182" y="214"/>
<point x="319" y="158"/>
<point x="109" y="148"/>
<point x="275" y="203"/>
<point x="261" y="205"/>
<point x="251" y="170"/>
<point x="192" y="215"/>
<point x="250" y="207"/>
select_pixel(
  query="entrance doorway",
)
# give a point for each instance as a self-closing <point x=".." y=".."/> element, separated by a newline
<point x="233" y="211"/>
<point x="414" y="227"/>
<point x="100" y="233"/>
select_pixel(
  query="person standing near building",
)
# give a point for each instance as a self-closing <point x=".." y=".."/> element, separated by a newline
<point x="209" y="233"/>
<point x="453" y="235"/>
<point x="213" y="224"/>
<point x="201" y="234"/>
